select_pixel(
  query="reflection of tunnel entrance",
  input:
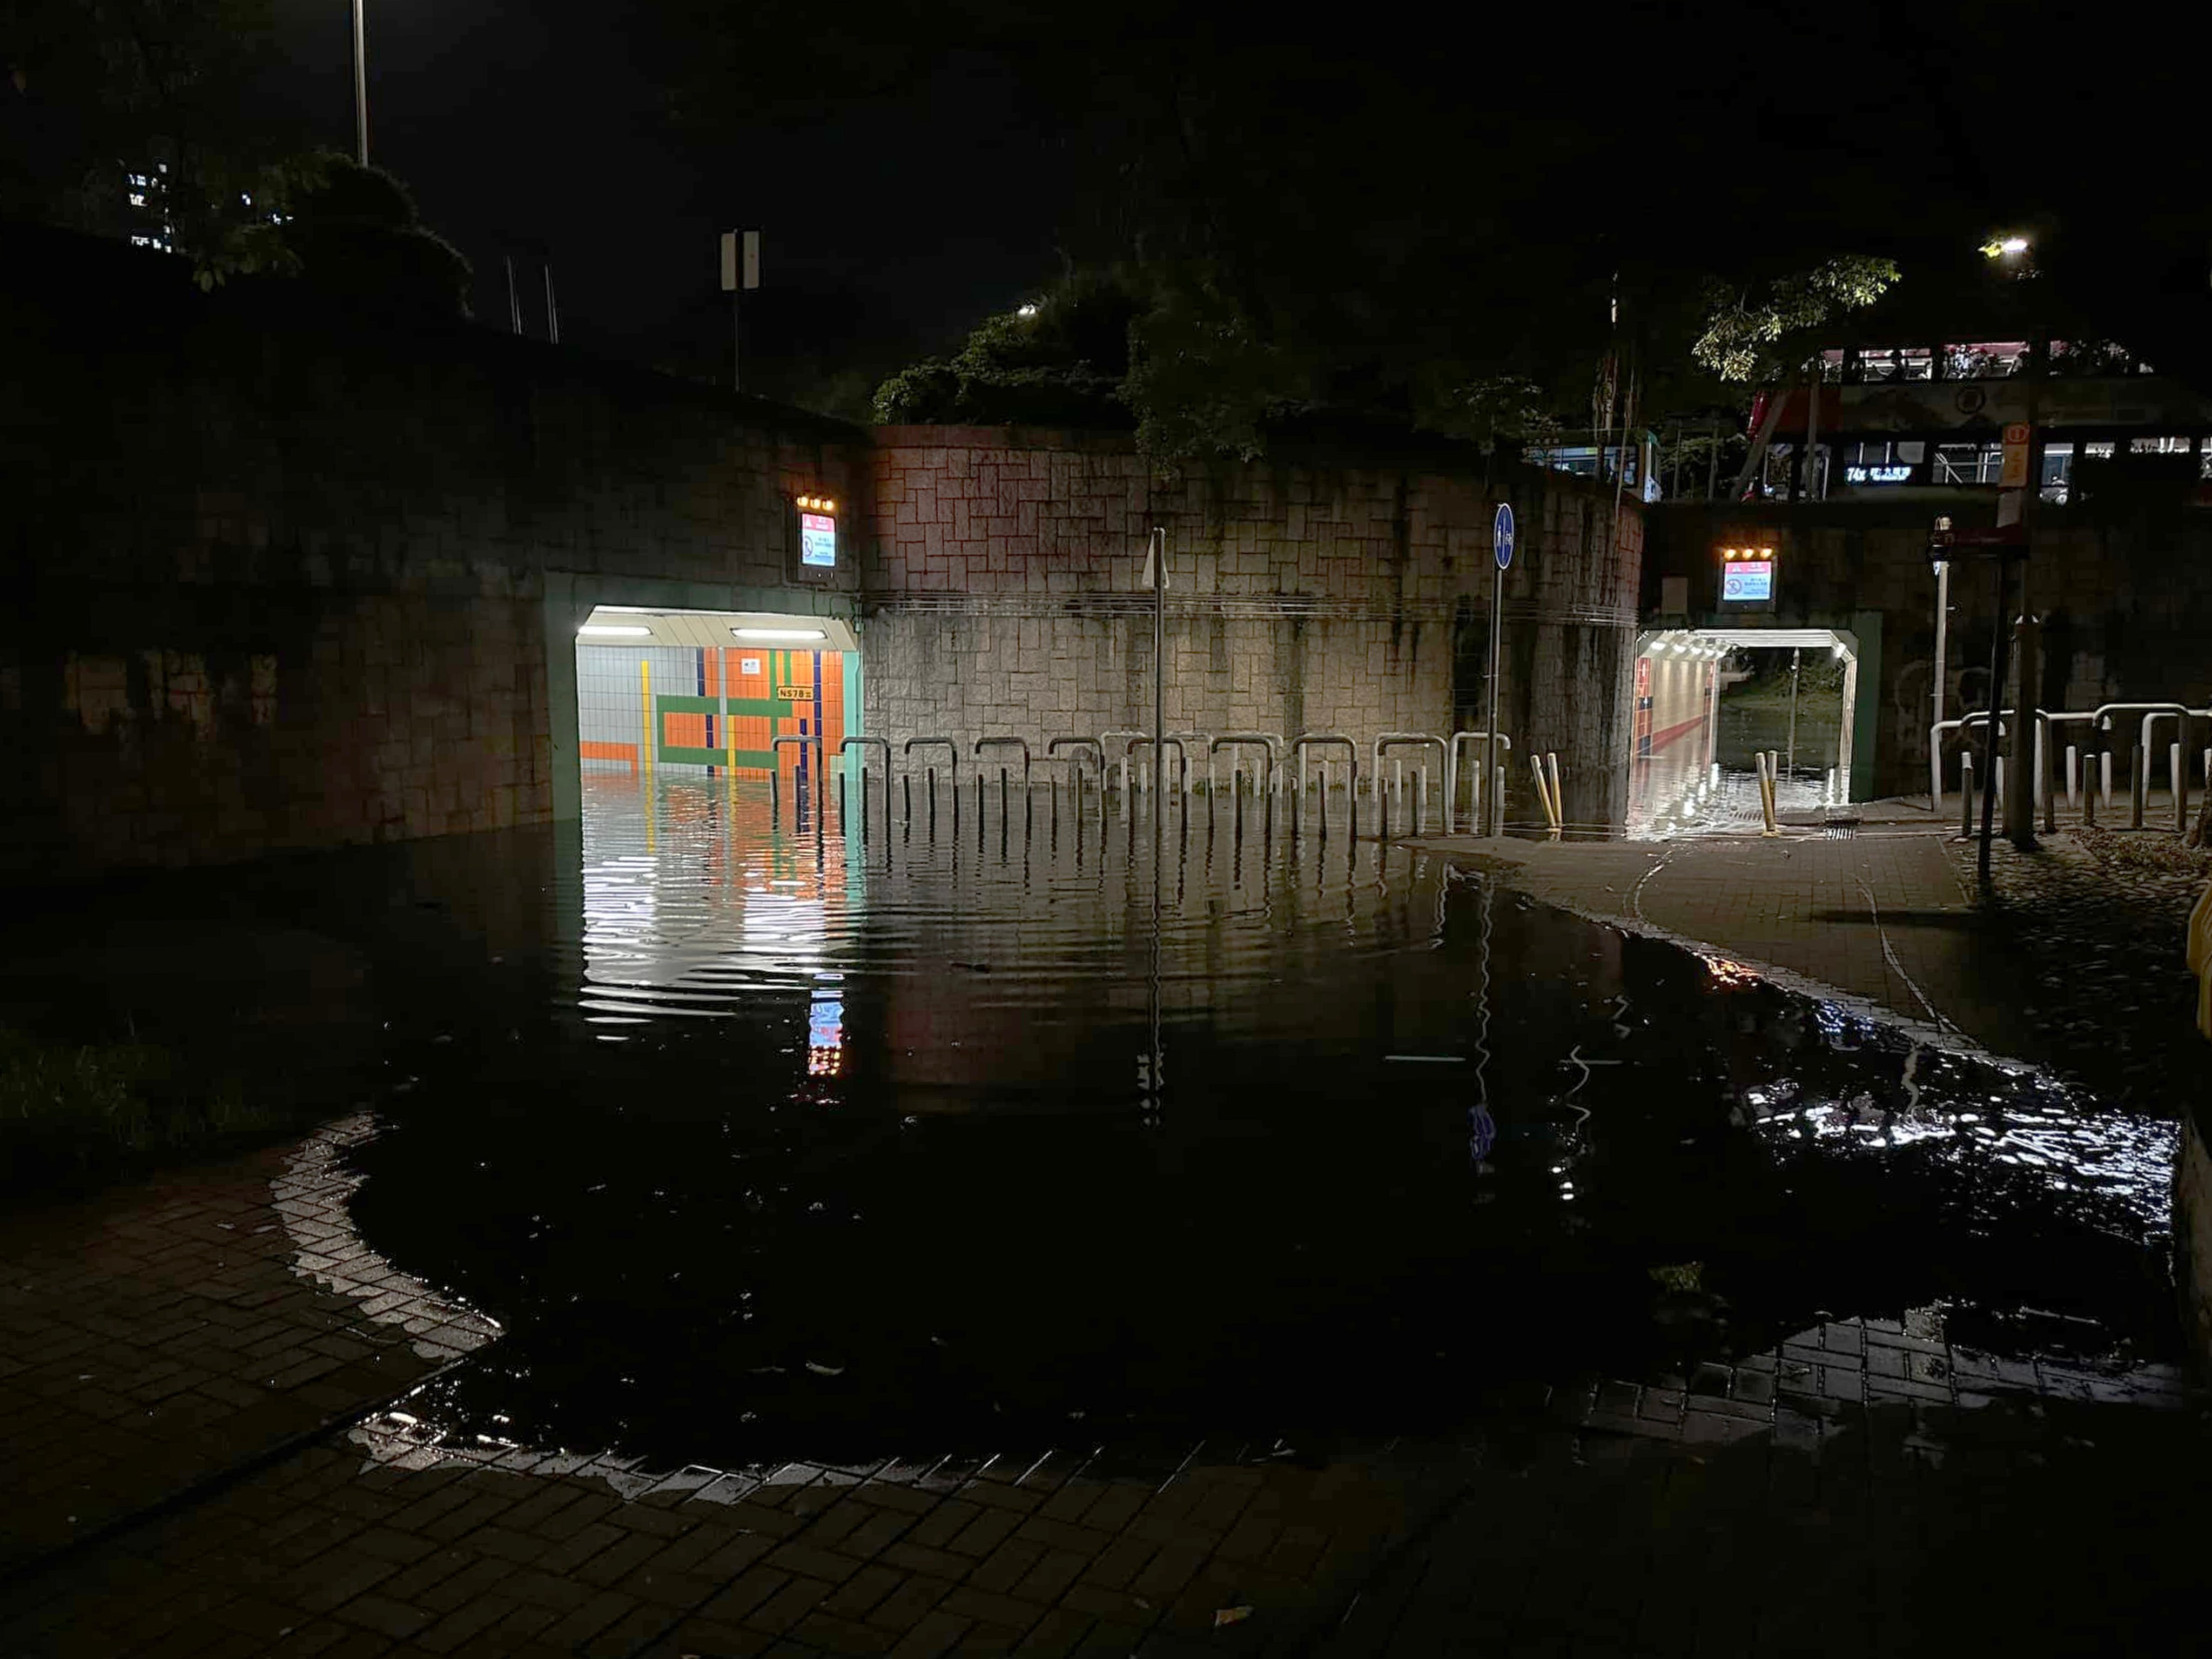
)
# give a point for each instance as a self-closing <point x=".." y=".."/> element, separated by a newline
<point x="708" y="692"/>
<point x="1708" y="700"/>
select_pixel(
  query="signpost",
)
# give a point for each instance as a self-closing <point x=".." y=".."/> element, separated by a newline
<point x="2004" y="545"/>
<point x="1501" y="542"/>
<point x="740" y="271"/>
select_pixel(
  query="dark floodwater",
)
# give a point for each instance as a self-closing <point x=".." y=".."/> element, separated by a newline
<point x="761" y="1144"/>
<point x="791" y="1150"/>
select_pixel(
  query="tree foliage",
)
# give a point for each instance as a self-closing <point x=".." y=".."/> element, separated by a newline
<point x="1745" y="328"/>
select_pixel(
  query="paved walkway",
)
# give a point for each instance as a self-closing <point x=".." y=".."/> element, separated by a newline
<point x="1880" y="916"/>
<point x="206" y="1449"/>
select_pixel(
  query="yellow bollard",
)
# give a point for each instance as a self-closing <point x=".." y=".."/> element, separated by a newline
<point x="644" y="717"/>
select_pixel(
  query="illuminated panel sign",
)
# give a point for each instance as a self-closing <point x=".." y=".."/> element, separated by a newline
<point x="1880" y="474"/>
<point x="818" y="532"/>
<point x="1746" y="575"/>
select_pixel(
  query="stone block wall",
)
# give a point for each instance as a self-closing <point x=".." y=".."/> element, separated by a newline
<point x="2125" y="602"/>
<point x="1005" y="596"/>
<point x="280" y="579"/>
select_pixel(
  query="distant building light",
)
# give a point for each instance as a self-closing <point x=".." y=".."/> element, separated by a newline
<point x="137" y="198"/>
<point x="1880" y="474"/>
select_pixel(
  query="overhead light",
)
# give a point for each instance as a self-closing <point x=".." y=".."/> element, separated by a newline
<point x="779" y="633"/>
<point x="1028" y="310"/>
<point x="610" y="629"/>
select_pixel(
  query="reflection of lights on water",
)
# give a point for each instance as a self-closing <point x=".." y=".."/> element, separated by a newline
<point x="1724" y="972"/>
<point x="825" y="1033"/>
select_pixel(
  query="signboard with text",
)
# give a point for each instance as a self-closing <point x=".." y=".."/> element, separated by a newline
<point x="1748" y="581"/>
<point x="818" y="540"/>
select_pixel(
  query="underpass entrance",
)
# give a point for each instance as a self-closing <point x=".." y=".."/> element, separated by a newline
<point x="1709" y="700"/>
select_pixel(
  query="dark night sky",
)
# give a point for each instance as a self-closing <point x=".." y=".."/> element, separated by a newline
<point x="1710" y="135"/>
<point x="518" y="123"/>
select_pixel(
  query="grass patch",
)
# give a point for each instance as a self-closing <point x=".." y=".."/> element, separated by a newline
<point x="76" y="1110"/>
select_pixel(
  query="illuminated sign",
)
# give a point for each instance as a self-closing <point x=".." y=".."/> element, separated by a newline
<point x="1880" y="474"/>
<point x="818" y="532"/>
<point x="1751" y="580"/>
<point x="1746" y="575"/>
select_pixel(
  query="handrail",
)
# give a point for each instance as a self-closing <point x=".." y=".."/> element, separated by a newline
<point x="983" y="743"/>
<point x="912" y="743"/>
<point x="884" y="743"/>
<point x="1242" y="739"/>
<point x="814" y="738"/>
<point x="1405" y="740"/>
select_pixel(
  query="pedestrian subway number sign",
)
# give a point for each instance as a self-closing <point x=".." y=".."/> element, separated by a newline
<point x="1502" y="535"/>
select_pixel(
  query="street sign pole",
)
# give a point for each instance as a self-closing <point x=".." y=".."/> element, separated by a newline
<point x="1502" y="550"/>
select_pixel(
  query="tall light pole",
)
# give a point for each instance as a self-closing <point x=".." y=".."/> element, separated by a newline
<point x="360" y="88"/>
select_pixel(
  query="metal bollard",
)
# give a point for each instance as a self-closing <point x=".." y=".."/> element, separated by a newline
<point x="1498" y="799"/>
<point x="1558" y="802"/>
<point x="1997" y="783"/>
<point x="2073" y="776"/>
<point x="2138" y="784"/>
<point x="2089" y="807"/>
<point x="2180" y="774"/>
<point x="2104" y="777"/>
<point x="1967" y="793"/>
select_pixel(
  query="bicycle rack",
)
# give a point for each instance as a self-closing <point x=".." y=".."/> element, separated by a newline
<point x="981" y="744"/>
<point x="1484" y="780"/>
<point x="948" y="743"/>
<point x="1239" y="740"/>
<point x="1326" y="740"/>
<point x="1076" y="747"/>
<point x="1406" y="740"/>
<point x="1129" y="740"/>
<point x="1182" y="757"/>
<point x="775" y="772"/>
<point x="884" y="743"/>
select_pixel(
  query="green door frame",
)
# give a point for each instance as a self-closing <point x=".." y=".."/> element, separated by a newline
<point x="571" y="597"/>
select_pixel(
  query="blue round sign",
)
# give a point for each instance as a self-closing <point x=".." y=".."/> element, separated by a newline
<point x="1502" y="535"/>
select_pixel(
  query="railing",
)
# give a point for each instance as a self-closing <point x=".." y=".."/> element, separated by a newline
<point x="2085" y="793"/>
<point x="1129" y="740"/>
<point x="1182" y="759"/>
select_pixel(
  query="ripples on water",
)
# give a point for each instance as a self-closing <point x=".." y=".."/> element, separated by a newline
<point x="778" y="1143"/>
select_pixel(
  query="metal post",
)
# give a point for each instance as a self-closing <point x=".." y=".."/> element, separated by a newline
<point x="1942" y="639"/>
<point x="1160" y="563"/>
<point x="1997" y="640"/>
<point x="1497" y="821"/>
<point x="2138" y="783"/>
<point x="360" y="86"/>
<point x="2019" y="805"/>
<point x="1795" y="654"/>
<point x="2178" y="773"/>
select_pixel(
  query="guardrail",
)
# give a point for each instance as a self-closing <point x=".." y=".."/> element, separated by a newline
<point x="2083" y="793"/>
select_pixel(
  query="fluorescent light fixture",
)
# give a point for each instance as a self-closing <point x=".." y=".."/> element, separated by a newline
<point x="597" y="631"/>
<point x="779" y="633"/>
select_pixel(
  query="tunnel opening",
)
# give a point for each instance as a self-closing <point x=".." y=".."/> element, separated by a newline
<point x="709" y="692"/>
<point x="1710" y="701"/>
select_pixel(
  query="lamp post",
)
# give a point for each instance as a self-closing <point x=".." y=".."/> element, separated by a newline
<point x="360" y="87"/>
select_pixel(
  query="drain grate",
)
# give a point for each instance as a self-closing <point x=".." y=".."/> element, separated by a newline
<point x="1841" y="826"/>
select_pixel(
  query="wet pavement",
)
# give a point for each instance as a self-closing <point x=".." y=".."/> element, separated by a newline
<point x="818" y="1237"/>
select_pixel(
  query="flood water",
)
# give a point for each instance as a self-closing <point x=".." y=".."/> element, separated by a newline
<point x="762" y="1142"/>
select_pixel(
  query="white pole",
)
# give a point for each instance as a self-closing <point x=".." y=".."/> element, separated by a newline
<point x="1943" y="634"/>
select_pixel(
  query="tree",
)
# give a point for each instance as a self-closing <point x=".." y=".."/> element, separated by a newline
<point x="1761" y="335"/>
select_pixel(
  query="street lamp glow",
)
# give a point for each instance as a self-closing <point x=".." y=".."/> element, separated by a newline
<point x="1028" y="310"/>
<point x="779" y="633"/>
<point x="1997" y="247"/>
